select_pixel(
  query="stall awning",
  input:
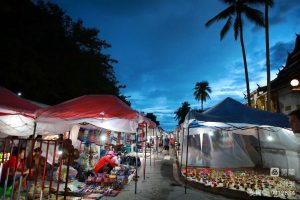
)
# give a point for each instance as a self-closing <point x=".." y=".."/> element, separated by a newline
<point x="16" y="114"/>
<point x="10" y="103"/>
<point x="90" y="106"/>
<point x="106" y="111"/>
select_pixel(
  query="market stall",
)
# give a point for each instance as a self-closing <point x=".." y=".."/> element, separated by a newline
<point x="102" y="111"/>
<point x="233" y="136"/>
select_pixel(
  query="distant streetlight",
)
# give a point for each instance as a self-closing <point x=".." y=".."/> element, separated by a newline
<point x="294" y="82"/>
<point x="19" y="94"/>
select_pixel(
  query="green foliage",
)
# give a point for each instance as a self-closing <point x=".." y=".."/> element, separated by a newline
<point x="49" y="57"/>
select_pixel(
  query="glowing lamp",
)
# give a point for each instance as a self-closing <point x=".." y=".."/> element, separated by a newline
<point x="294" y="82"/>
<point x="269" y="138"/>
<point x="102" y="137"/>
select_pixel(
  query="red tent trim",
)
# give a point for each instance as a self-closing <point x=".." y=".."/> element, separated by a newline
<point x="90" y="106"/>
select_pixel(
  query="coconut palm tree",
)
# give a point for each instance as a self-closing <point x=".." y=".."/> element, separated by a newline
<point x="238" y="8"/>
<point x="267" y="4"/>
<point x="182" y="111"/>
<point x="201" y="92"/>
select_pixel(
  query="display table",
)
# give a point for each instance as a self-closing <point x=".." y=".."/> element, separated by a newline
<point x="246" y="184"/>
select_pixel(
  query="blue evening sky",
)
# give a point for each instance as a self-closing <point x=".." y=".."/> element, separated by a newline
<point x="163" y="49"/>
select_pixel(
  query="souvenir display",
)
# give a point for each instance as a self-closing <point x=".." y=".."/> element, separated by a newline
<point x="63" y="174"/>
<point x="107" y="184"/>
<point x="251" y="182"/>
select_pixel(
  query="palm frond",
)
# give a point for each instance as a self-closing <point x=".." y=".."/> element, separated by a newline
<point x="222" y="15"/>
<point x="226" y="27"/>
<point x="254" y="15"/>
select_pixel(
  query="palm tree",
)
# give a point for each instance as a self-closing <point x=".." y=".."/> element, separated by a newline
<point x="182" y="111"/>
<point x="201" y="92"/>
<point x="237" y="8"/>
<point x="267" y="4"/>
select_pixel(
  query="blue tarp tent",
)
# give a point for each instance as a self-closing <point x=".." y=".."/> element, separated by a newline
<point x="232" y="111"/>
<point x="231" y="134"/>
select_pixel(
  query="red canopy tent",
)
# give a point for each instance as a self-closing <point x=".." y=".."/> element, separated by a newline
<point x="10" y="103"/>
<point x="16" y="114"/>
<point x="105" y="111"/>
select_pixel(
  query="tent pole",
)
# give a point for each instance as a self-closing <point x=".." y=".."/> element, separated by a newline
<point x="150" y="150"/>
<point x="68" y="166"/>
<point x="151" y="145"/>
<point x="186" y="159"/>
<point x="181" y="149"/>
<point x="156" y="142"/>
<point x="261" y="158"/>
<point x="145" y="157"/>
<point x="136" y="154"/>
<point x="31" y="155"/>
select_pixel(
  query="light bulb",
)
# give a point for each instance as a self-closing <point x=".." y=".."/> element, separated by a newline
<point x="103" y="138"/>
<point x="269" y="138"/>
<point x="294" y="82"/>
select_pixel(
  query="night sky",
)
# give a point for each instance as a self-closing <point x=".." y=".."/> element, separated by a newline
<point x="164" y="48"/>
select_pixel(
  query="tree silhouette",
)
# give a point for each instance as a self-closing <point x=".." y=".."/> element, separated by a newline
<point x="238" y="8"/>
<point x="267" y="4"/>
<point x="153" y="118"/>
<point x="201" y="91"/>
<point x="49" y="57"/>
<point x="181" y="112"/>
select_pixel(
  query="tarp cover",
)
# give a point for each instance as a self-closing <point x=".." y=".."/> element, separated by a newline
<point x="232" y="111"/>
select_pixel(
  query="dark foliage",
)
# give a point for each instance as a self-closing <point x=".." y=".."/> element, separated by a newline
<point x="181" y="112"/>
<point x="153" y="118"/>
<point x="49" y="57"/>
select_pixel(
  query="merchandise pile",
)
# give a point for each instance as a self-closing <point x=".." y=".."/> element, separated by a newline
<point x="248" y="181"/>
<point x="107" y="184"/>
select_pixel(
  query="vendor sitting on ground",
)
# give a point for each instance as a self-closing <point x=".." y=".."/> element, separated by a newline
<point x="105" y="164"/>
<point x="15" y="162"/>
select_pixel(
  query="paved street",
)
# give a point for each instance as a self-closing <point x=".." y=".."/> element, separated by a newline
<point x="160" y="184"/>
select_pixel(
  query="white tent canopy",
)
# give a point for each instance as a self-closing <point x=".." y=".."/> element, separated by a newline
<point x="227" y="136"/>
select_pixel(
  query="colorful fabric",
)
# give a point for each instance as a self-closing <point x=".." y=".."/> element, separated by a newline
<point x="71" y="176"/>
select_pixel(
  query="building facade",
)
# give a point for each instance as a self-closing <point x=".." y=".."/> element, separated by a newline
<point x="284" y="97"/>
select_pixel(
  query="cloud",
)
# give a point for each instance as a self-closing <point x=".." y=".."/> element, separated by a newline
<point x="281" y="10"/>
<point x="279" y="53"/>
